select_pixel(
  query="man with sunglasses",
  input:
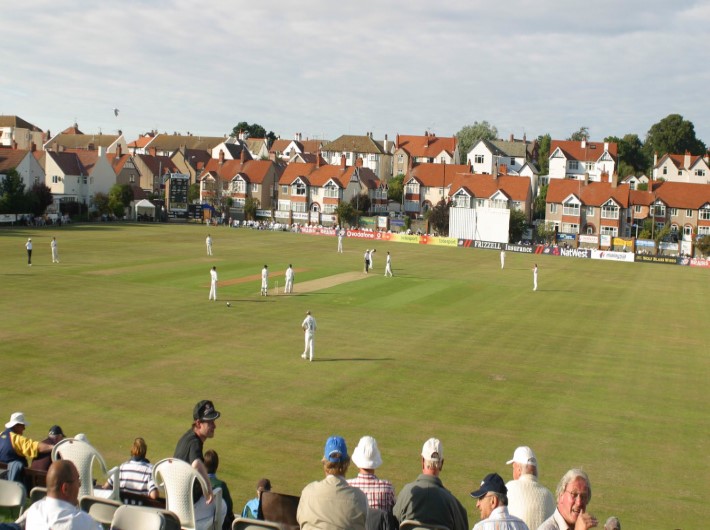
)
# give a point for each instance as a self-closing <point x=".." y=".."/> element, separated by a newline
<point x="573" y="494"/>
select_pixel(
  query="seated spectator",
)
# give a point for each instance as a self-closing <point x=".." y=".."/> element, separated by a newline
<point x="212" y="463"/>
<point x="380" y="493"/>
<point x="251" y="508"/>
<point x="16" y="449"/>
<point x="59" y="508"/>
<point x="135" y="475"/>
<point x="331" y="503"/>
<point x="44" y="458"/>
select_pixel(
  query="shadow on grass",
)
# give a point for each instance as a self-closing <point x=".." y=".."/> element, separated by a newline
<point x="353" y="359"/>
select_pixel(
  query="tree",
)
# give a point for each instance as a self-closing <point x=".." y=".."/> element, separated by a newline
<point x="38" y="198"/>
<point x="632" y="158"/>
<point x="193" y="193"/>
<point x="516" y="225"/>
<point x="642" y="186"/>
<point x="361" y="203"/>
<point x="543" y="153"/>
<point x="439" y="217"/>
<point x="581" y="134"/>
<point x="395" y="189"/>
<point x="540" y="203"/>
<point x="703" y="245"/>
<point x="253" y="130"/>
<point x="119" y="198"/>
<point x="12" y="193"/>
<point x="345" y="213"/>
<point x="251" y="205"/>
<point x="673" y="135"/>
<point x="469" y="135"/>
<point x="101" y="203"/>
<point x="546" y="231"/>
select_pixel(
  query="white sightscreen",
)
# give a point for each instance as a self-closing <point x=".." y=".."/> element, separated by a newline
<point x="483" y="224"/>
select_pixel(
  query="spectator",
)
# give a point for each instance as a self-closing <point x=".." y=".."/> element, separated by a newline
<point x="59" y="508"/>
<point x="136" y="475"/>
<point x="492" y="502"/>
<point x="251" y="508"/>
<point x="16" y="449"/>
<point x="212" y="463"/>
<point x="574" y="492"/>
<point x="189" y="449"/>
<point x="379" y="492"/>
<point x="527" y="498"/>
<point x="44" y="458"/>
<point x="612" y="523"/>
<point x="426" y="499"/>
<point x="331" y="503"/>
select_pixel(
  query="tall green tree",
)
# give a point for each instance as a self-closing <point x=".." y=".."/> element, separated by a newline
<point x="361" y="203"/>
<point x="516" y="225"/>
<point x="469" y="135"/>
<point x="253" y="130"/>
<point x="12" y="193"/>
<point x="543" y="153"/>
<point x="193" y="193"/>
<point x="632" y="158"/>
<point x="540" y="203"/>
<point x="345" y="213"/>
<point x="38" y="198"/>
<point x="395" y="188"/>
<point x="581" y="134"/>
<point x="251" y="205"/>
<point x="439" y="217"/>
<point x="703" y="245"/>
<point x="101" y="203"/>
<point x="673" y="135"/>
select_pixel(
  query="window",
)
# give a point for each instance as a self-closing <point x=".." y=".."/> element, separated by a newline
<point x="480" y="203"/>
<point x="284" y="206"/>
<point x="56" y="179"/>
<point x="512" y="160"/>
<point x="590" y="230"/>
<point x="573" y="164"/>
<point x="699" y="172"/>
<point x="570" y="228"/>
<point x="589" y="166"/>
<point x="412" y="187"/>
<point x="704" y="213"/>
<point x="298" y="207"/>
<point x="442" y="160"/>
<point x="299" y="189"/>
<point x="132" y="179"/>
<point x="284" y="190"/>
<point x="570" y="208"/>
<point x="590" y="211"/>
<point x="84" y="179"/>
<point x="665" y="170"/>
<point x="373" y="158"/>
<point x="689" y="214"/>
<point x="329" y="208"/>
<point x="478" y="159"/>
<point x="400" y="158"/>
<point x="499" y="203"/>
<point x="674" y="212"/>
<point x="332" y="191"/>
<point x="704" y="230"/>
<point x="659" y="210"/>
<point x="255" y="188"/>
<point x="610" y="231"/>
<point x="518" y="205"/>
<point x="637" y="208"/>
<point x="462" y="200"/>
<point x="239" y="202"/>
<point x="553" y="207"/>
<point x="632" y="185"/>
<point x="610" y="211"/>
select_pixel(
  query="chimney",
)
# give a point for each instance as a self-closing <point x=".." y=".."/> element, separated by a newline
<point x="655" y="158"/>
<point x="152" y="151"/>
<point x="342" y="161"/>
<point x="586" y="178"/>
<point x="221" y="157"/>
<point x="525" y="138"/>
<point x="358" y="162"/>
<point x="512" y="138"/>
<point x="604" y="177"/>
<point x="33" y="147"/>
<point x="385" y="144"/>
<point x="606" y="146"/>
<point x="119" y="151"/>
<point x="317" y="160"/>
<point x="584" y="144"/>
<point x="686" y="160"/>
<point x="101" y="151"/>
<point x="503" y="169"/>
<point x="14" y="145"/>
<point x="614" y="180"/>
<point x="396" y="142"/>
<point x="242" y="155"/>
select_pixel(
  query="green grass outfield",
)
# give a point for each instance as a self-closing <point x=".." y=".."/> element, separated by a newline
<point x="605" y="367"/>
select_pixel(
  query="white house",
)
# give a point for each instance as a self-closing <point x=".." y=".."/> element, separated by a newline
<point x="571" y="159"/>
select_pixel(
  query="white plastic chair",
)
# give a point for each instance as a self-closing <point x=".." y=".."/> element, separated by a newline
<point x="102" y="510"/>
<point x="177" y="479"/>
<point x="242" y="523"/>
<point x="12" y="495"/>
<point x="137" y="518"/>
<point x="83" y="455"/>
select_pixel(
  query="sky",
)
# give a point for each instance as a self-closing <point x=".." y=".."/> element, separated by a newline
<point x="324" y="68"/>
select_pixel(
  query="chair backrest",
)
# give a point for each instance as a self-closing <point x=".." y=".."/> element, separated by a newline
<point x="178" y="478"/>
<point x="37" y="493"/>
<point x="99" y="508"/>
<point x="410" y="524"/>
<point x="242" y="523"/>
<point x="279" y="508"/>
<point x="138" y="518"/>
<point x="83" y="455"/>
<point x="12" y="494"/>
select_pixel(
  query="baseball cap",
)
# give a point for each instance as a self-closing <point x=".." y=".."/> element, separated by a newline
<point x="17" y="417"/>
<point x="493" y="483"/>
<point x="433" y="450"/>
<point x="366" y="455"/>
<point x="523" y="455"/>
<point x="56" y="430"/>
<point x="335" y="450"/>
<point x="263" y="485"/>
<point x="204" y="411"/>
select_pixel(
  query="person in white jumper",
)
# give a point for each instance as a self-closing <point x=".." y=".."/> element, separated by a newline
<point x="208" y="242"/>
<point x="309" y="327"/>
<point x="527" y="498"/>
<point x="289" y="279"/>
<point x="55" y="250"/>
<point x="265" y="281"/>
<point x="213" y="284"/>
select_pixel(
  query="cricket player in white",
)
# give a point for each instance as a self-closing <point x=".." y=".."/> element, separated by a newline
<point x="309" y="326"/>
<point x="341" y="233"/>
<point x="289" y="280"/>
<point x="213" y="284"/>
<point x="208" y="242"/>
<point x="265" y="281"/>
<point x="502" y="259"/>
<point x="55" y="250"/>
<point x="535" y="277"/>
<point x="372" y="255"/>
<point x="388" y="265"/>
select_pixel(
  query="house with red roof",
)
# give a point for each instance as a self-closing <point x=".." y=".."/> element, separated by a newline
<point x="510" y="192"/>
<point x="72" y="139"/>
<point x="24" y="162"/>
<point x="684" y="206"/>
<point x="375" y="154"/>
<point x="571" y="159"/>
<point x="410" y="150"/>
<point x="507" y="157"/>
<point x="427" y="184"/>
<point x="20" y="134"/>
<point x="682" y="168"/>
<point x="77" y="176"/>
<point x="287" y="150"/>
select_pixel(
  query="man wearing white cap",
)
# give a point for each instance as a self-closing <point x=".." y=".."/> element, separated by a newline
<point x="16" y="449"/>
<point x="426" y="499"/>
<point x="380" y="493"/>
<point x="527" y="498"/>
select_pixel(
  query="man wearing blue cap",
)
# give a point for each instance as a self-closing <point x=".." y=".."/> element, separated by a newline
<point x="492" y="502"/>
<point x="331" y="503"/>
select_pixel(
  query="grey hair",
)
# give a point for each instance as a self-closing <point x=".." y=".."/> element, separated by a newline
<point x="502" y="498"/>
<point x="612" y="523"/>
<point x="571" y="475"/>
<point x="432" y="464"/>
<point x="528" y="469"/>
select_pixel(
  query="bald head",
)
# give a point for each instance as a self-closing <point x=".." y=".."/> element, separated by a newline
<point x="63" y="481"/>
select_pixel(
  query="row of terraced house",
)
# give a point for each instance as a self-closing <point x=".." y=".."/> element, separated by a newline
<point x="305" y="179"/>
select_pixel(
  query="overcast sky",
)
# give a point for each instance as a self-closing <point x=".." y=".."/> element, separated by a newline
<point x="326" y="68"/>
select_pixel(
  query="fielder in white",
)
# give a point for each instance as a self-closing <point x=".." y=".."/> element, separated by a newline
<point x="341" y="233"/>
<point x="208" y="242"/>
<point x="388" y="265"/>
<point x="213" y="284"/>
<point x="502" y="259"/>
<point x="309" y="326"/>
<point x="372" y="255"/>
<point x="55" y="250"/>
<point x="535" y="277"/>
<point x="289" y="280"/>
<point x="265" y="281"/>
